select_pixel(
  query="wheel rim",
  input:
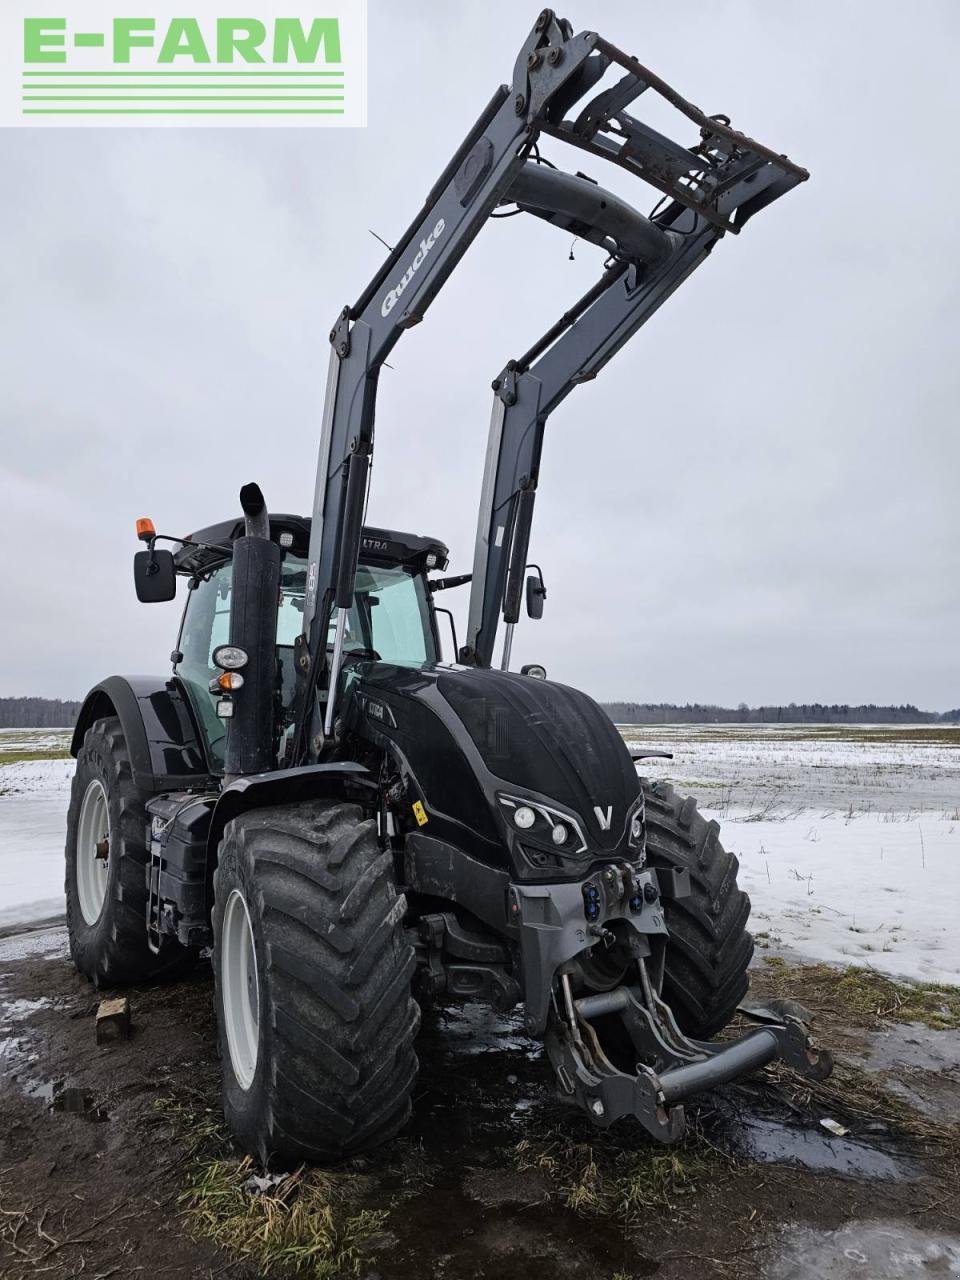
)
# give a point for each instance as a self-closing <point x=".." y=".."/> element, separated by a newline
<point x="241" y="993"/>
<point x="93" y="830"/>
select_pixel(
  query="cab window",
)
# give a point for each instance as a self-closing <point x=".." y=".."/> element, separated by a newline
<point x="390" y="618"/>
<point x="206" y="624"/>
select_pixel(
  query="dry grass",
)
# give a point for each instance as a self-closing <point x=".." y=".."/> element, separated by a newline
<point x="860" y="1099"/>
<point x="310" y="1222"/>
<point x="620" y="1183"/>
<point x="860" y="996"/>
<point x="40" y="753"/>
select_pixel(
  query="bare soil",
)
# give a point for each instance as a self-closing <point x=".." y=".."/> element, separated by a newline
<point x="99" y="1143"/>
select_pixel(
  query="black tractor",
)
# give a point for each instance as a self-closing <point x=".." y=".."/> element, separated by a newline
<point x="356" y="825"/>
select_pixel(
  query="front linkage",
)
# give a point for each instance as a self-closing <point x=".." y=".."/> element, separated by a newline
<point x="616" y="1048"/>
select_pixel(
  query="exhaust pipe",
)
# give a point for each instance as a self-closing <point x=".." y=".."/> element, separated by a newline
<point x="253" y="628"/>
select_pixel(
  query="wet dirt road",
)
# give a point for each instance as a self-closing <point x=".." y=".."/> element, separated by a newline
<point x="491" y="1178"/>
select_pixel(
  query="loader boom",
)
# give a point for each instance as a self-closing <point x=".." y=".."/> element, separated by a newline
<point x="709" y="188"/>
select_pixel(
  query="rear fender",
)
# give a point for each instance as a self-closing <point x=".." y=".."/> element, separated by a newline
<point x="166" y="749"/>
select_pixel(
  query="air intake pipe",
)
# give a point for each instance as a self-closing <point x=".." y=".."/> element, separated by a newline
<point x="255" y="591"/>
<point x="580" y="206"/>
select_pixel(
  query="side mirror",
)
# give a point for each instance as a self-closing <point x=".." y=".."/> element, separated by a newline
<point x="154" y="576"/>
<point x="536" y="594"/>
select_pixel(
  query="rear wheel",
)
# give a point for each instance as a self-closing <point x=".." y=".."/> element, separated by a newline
<point x="106" y="861"/>
<point x="709" y="950"/>
<point x="314" y="984"/>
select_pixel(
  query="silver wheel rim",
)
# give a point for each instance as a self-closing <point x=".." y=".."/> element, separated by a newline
<point x="241" y="993"/>
<point x="92" y="871"/>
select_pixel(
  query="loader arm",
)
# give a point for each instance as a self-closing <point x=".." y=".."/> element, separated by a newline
<point x="529" y="389"/>
<point x="715" y="185"/>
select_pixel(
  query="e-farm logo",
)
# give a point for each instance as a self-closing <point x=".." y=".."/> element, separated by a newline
<point x="103" y="62"/>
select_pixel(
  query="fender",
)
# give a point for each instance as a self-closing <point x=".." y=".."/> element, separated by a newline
<point x="330" y="781"/>
<point x="166" y="750"/>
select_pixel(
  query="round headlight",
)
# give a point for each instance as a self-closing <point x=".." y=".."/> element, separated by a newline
<point x="559" y="834"/>
<point x="229" y="657"/>
<point x="524" y="817"/>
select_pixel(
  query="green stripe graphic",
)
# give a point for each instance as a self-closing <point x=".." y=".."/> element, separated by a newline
<point x="173" y="88"/>
<point x="183" y="73"/>
<point x="183" y="111"/>
<point x="189" y="97"/>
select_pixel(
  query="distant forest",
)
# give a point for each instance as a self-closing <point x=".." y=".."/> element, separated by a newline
<point x="51" y="713"/>
<point x="794" y="713"/>
<point x="37" y="713"/>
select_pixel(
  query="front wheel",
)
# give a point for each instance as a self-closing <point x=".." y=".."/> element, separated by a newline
<point x="313" y="977"/>
<point x="709" y="949"/>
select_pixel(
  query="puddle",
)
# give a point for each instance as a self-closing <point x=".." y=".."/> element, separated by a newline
<point x="911" y="1044"/>
<point x="481" y="1083"/>
<point x="59" y="1096"/>
<point x="472" y="1029"/>
<point x="864" y="1251"/>
<point x="918" y="1064"/>
<point x="12" y="1038"/>
<point x="777" y="1142"/>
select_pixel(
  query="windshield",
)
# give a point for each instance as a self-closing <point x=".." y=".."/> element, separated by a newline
<point x="390" y="619"/>
<point x="390" y="616"/>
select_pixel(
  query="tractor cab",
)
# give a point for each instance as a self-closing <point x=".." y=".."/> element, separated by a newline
<point x="391" y="620"/>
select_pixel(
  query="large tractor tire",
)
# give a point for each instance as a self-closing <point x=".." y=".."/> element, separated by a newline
<point x="106" y="872"/>
<point x="313" y="976"/>
<point x="709" y="949"/>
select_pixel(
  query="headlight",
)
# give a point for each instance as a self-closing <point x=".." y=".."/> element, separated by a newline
<point x="543" y="825"/>
<point x="229" y="657"/>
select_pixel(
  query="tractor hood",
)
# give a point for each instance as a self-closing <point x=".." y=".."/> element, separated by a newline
<point x="548" y="738"/>
<point x="502" y="734"/>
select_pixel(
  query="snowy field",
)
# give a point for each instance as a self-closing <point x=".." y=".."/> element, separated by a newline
<point x="848" y="837"/>
<point x="34" y="793"/>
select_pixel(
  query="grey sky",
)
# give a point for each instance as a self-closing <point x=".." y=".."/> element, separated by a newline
<point x="756" y="500"/>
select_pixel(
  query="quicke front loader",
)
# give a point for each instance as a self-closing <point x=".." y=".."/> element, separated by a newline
<point x="355" y="825"/>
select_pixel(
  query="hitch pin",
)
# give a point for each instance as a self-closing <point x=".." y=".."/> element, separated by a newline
<point x="648" y="995"/>
<point x="568" y="1005"/>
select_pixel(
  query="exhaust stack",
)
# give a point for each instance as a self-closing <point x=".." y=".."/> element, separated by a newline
<point x="253" y="628"/>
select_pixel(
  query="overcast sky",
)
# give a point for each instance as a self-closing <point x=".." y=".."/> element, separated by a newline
<point x="757" y="499"/>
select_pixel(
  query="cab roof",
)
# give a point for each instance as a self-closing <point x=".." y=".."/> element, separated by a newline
<point x="377" y="546"/>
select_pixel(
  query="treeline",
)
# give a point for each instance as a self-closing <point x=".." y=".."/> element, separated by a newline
<point x="53" y="713"/>
<point x="37" y="713"/>
<point x="793" y="713"/>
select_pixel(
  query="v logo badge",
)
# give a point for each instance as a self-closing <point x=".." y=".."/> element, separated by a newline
<point x="604" y="818"/>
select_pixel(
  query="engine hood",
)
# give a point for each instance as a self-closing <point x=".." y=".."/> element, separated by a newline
<point x="536" y="735"/>
<point x="472" y="745"/>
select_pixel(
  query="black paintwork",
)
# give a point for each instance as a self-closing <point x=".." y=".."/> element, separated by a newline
<point x="167" y="752"/>
<point x="377" y="546"/>
<point x="459" y="737"/>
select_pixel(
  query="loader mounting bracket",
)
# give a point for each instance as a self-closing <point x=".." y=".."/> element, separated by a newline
<point x="670" y="1067"/>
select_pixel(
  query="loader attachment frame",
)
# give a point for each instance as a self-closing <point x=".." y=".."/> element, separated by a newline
<point x="710" y="188"/>
<point x="670" y="1066"/>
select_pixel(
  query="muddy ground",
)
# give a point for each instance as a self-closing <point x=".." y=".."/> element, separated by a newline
<point x="492" y="1177"/>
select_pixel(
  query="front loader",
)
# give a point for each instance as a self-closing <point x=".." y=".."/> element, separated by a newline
<point x="356" y="825"/>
